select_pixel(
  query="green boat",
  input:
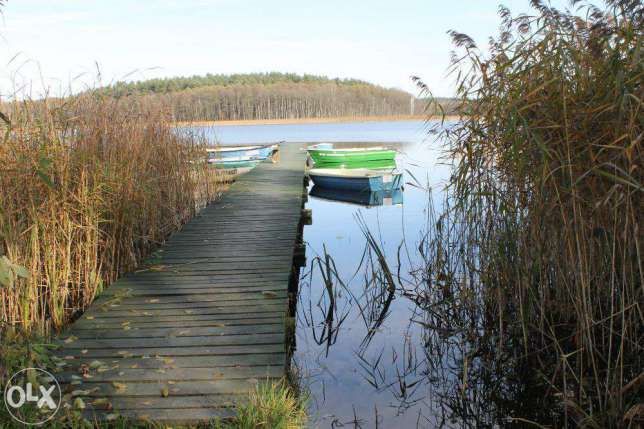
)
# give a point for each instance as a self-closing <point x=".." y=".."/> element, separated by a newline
<point x="326" y="154"/>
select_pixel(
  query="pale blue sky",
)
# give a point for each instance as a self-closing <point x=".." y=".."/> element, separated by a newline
<point x="384" y="42"/>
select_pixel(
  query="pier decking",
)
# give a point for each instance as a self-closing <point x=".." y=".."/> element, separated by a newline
<point x="191" y="333"/>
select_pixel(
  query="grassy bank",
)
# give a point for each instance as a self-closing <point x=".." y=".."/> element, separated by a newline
<point x="89" y="186"/>
<point x="537" y="264"/>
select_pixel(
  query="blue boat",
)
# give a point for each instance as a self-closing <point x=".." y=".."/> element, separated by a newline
<point x="250" y="152"/>
<point x="238" y="162"/>
<point x="367" y="199"/>
<point x="358" y="179"/>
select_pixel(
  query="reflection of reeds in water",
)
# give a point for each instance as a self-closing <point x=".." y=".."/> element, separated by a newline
<point x="325" y="329"/>
<point x="379" y="286"/>
<point x="373" y="304"/>
<point x="397" y="370"/>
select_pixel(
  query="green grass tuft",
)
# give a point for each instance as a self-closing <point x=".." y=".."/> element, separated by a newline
<point x="273" y="405"/>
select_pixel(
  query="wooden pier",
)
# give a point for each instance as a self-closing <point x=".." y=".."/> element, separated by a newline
<point x="192" y="332"/>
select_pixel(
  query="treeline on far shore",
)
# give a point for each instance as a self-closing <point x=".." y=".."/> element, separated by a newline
<point x="272" y="96"/>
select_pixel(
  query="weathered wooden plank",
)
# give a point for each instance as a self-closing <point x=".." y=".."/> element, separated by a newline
<point x="170" y="323"/>
<point x="175" y="403"/>
<point x="212" y="278"/>
<point x="170" y="374"/>
<point x="117" y="312"/>
<point x="250" y="256"/>
<point x="173" y="351"/>
<point x="146" y="290"/>
<point x="240" y="251"/>
<point x="257" y="228"/>
<point x="259" y="238"/>
<point x="167" y="415"/>
<point x="154" y="332"/>
<point x="188" y="271"/>
<point x="265" y="263"/>
<point x="238" y="237"/>
<point x="149" y="304"/>
<point x="208" y="361"/>
<point x="254" y="295"/>
<point x="253" y="229"/>
<point x="182" y="242"/>
<point x="214" y="268"/>
<point x="124" y="375"/>
<point x="263" y="224"/>
<point x="141" y="343"/>
<point x="183" y="308"/>
<point x="196" y="282"/>
<point x="133" y="389"/>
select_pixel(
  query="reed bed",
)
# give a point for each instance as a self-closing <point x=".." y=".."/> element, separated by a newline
<point x="90" y="184"/>
<point x="538" y="259"/>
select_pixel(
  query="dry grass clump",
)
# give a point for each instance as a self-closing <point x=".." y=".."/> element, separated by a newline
<point x="89" y="185"/>
<point x="547" y="200"/>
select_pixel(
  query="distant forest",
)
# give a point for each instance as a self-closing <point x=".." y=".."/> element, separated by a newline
<point x="270" y="96"/>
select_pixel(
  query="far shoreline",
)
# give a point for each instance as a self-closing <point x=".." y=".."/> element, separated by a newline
<point x="339" y="119"/>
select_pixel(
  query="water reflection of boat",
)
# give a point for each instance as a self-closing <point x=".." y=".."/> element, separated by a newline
<point x="359" y="179"/>
<point x="368" y="199"/>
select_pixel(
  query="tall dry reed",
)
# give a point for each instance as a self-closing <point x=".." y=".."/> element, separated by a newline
<point x="89" y="185"/>
<point x="545" y="205"/>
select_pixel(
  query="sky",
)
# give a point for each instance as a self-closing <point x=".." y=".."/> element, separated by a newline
<point x="68" y="45"/>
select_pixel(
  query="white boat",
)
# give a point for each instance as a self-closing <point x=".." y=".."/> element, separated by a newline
<point x="248" y="151"/>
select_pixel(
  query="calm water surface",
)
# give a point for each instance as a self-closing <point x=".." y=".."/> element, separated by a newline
<point x="399" y="131"/>
<point x="361" y="354"/>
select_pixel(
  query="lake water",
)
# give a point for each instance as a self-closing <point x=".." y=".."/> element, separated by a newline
<point x="398" y="131"/>
<point x="360" y="351"/>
